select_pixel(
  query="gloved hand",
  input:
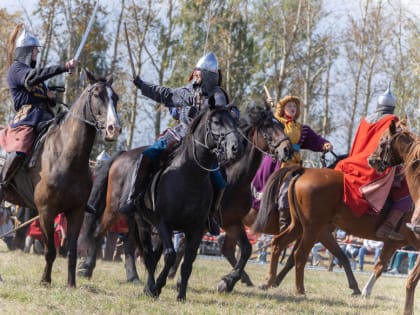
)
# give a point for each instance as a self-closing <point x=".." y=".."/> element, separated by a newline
<point x="137" y="81"/>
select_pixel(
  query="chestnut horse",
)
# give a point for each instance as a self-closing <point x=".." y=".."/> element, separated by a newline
<point x="268" y="222"/>
<point x="398" y="145"/>
<point x="180" y="195"/>
<point x="60" y="181"/>
<point x="316" y="201"/>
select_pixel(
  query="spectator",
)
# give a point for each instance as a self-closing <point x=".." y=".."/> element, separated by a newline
<point x="316" y="256"/>
<point x="406" y="252"/>
<point x="341" y="237"/>
<point x="262" y="244"/>
<point x="352" y="249"/>
<point x="370" y="247"/>
<point x="6" y="225"/>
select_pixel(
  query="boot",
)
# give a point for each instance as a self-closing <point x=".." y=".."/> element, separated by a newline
<point x="139" y="181"/>
<point x="212" y="225"/>
<point x="284" y="219"/>
<point x="12" y="164"/>
<point x="386" y="230"/>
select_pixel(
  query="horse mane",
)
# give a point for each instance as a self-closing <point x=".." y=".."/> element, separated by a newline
<point x="256" y="116"/>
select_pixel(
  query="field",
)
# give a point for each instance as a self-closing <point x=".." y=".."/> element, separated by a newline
<point x="108" y="293"/>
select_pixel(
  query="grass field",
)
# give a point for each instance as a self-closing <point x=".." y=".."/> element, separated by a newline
<point x="108" y="293"/>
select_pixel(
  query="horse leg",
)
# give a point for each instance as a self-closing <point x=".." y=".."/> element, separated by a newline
<point x="130" y="260"/>
<point x="169" y="255"/>
<point x="87" y="246"/>
<point x="74" y="223"/>
<point x="192" y="242"/>
<point x="290" y="262"/>
<point x="47" y="226"/>
<point x="386" y="253"/>
<point x="410" y="288"/>
<point x="329" y="241"/>
<point x="278" y="244"/>
<point x="227" y="245"/>
<point x="301" y="256"/>
<point x="228" y="281"/>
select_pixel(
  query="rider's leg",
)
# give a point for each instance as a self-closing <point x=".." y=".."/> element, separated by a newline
<point x="219" y="184"/>
<point x="12" y="164"/>
<point x="284" y="219"/>
<point x="283" y="202"/>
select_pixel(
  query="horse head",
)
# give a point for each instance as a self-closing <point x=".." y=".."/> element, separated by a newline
<point x="389" y="152"/>
<point x="219" y="135"/>
<point x="100" y="110"/>
<point x="267" y="133"/>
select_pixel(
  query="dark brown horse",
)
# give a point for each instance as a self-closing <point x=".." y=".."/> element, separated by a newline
<point x="60" y="181"/>
<point x="316" y="202"/>
<point x="180" y="196"/>
<point x="398" y="145"/>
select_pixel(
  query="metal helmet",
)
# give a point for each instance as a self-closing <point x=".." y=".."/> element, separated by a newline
<point x="387" y="99"/>
<point x="26" y="39"/>
<point x="208" y="62"/>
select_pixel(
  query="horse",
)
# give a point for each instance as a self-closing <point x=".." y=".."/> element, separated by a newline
<point x="179" y="197"/>
<point x="60" y="180"/>
<point x="316" y="202"/>
<point x="267" y="222"/>
<point x="263" y="135"/>
<point x="398" y="145"/>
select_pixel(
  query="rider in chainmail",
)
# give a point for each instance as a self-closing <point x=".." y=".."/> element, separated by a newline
<point x="184" y="104"/>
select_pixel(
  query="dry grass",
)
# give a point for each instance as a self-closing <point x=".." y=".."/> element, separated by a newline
<point x="108" y="293"/>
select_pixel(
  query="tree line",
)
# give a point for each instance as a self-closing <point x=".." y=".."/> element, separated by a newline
<point x="338" y="57"/>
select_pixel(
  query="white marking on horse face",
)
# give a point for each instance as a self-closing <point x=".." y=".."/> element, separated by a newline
<point x="113" y="127"/>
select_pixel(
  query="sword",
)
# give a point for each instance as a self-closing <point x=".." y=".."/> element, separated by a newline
<point x="267" y="93"/>
<point x="133" y="71"/>
<point x="85" y="35"/>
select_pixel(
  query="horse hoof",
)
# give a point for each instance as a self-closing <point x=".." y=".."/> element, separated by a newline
<point x="84" y="273"/>
<point x="263" y="286"/>
<point x="134" y="280"/>
<point x="181" y="299"/>
<point x="356" y="292"/>
<point x="221" y="287"/>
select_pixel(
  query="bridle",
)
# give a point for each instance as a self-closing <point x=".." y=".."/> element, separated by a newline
<point x="218" y="150"/>
<point x="91" y="119"/>
<point x="272" y="146"/>
<point x="387" y="159"/>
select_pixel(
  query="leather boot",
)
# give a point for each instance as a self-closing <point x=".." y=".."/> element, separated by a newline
<point x="284" y="219"/>
<point x="212" y="225"/>
<point x="12" y="164"/>
<point x="139" y="182"/>
<point x="386" y="230"/>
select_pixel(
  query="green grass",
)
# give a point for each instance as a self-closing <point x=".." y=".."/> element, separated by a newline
<point x="108" y="293"/>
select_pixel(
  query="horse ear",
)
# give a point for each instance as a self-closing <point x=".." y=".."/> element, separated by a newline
<point x="403" y="121"/>
<point x="90" y="76"/>
<point x="109" y="79"/>
<point x="392" y="127"/>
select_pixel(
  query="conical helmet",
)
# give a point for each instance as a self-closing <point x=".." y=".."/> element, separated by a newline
<point x="208" y="62"/>
<point x="103" y="156"/>
<point x="26" y="39"/>
<point x="387" y="99"/>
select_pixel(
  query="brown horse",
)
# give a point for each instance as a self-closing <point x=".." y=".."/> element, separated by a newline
<point x="398" y="145"/>
<point x="60" y="181"/>
<point x="316" y="201"/>
<point x="268" y="222"/>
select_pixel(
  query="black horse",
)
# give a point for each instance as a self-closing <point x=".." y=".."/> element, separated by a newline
<point x="180" y="196"/>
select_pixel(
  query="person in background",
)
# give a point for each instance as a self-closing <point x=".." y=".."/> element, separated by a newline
<point x="369" y="247"/>
<point x="406" y="252"/>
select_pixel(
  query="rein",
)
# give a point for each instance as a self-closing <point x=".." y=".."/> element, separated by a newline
<point x="267" y="140"/>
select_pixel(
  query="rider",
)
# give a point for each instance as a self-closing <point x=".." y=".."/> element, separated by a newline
<point x="31" y="98"/>
<point x="363" y="186"/>
<point x="302" y="137"/>
<point x="184" y="103"/>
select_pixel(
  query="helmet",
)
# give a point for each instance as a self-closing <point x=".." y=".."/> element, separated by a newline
<point x="208" y="63"/>
<point x="387" y="99"/>
<point x="26" y="39"/>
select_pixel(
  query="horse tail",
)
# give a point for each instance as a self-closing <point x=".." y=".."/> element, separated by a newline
<point x="294" y="209"/>
<point x="269" y="200"/>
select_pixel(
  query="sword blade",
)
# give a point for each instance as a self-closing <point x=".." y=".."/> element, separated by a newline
<point x="85" y="35"/>
<point x="133" y="71"/>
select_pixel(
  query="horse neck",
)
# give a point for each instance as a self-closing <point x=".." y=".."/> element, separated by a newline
<point x="412" y="170"/>
<point x="77" y="135"/>
<point x="243" y="171"/>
